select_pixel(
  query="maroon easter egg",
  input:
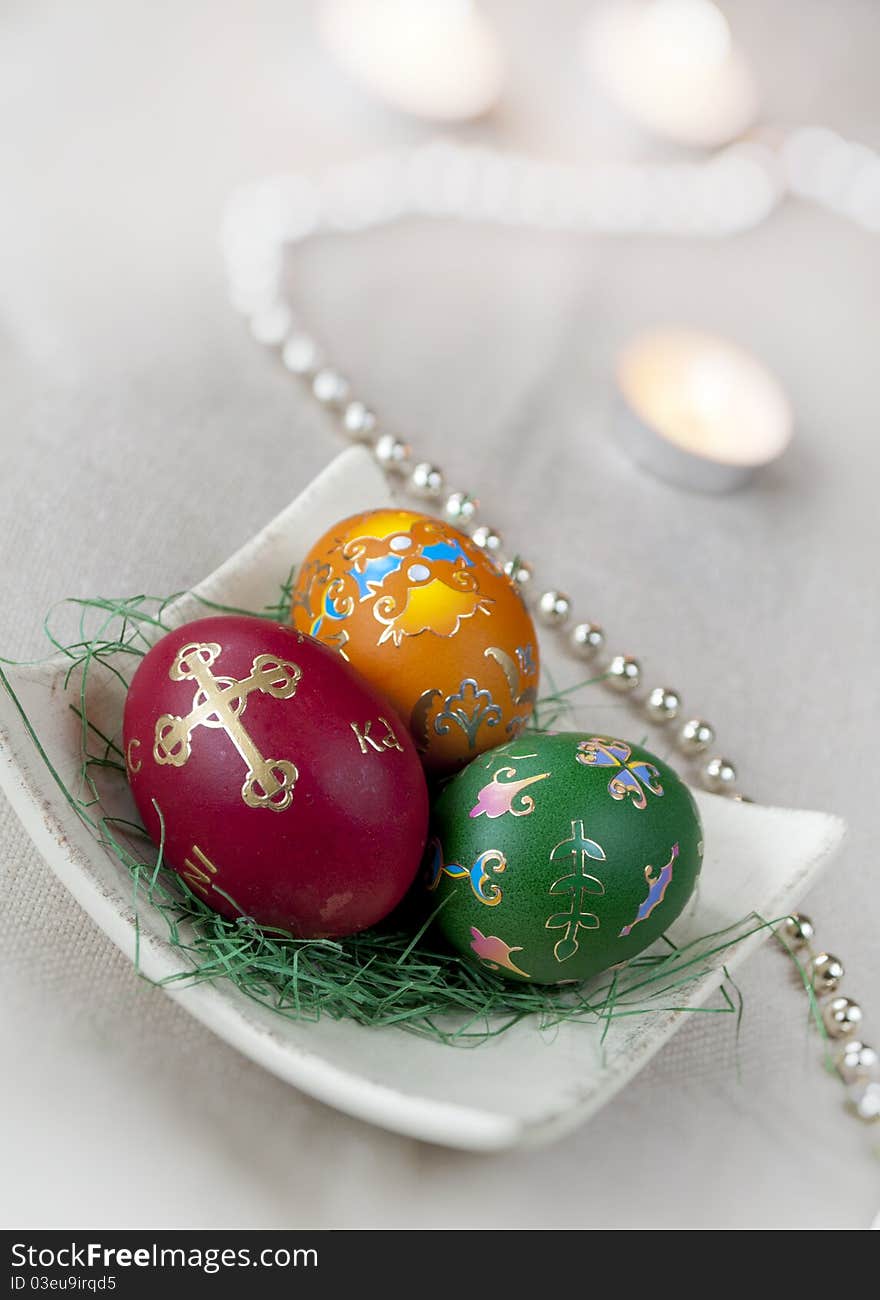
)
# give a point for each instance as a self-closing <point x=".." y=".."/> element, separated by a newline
<point x="276" y="775"/>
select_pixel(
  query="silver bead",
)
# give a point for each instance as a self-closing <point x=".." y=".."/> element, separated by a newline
<point x="719" y="774"/>
<point x="695" y="736"/>
<point x="662" y="704"/>
<point x="271" y="325"/>
<point x="856" y="1061"/>
<point x="841" y="1017"/>
<point x="865" y="1099"/>
<point x="827" y="972"/>
<point x="553" y="608"/>
<point x="426" y="480"/>
<point x="623" y="674"/>
<point x="797" y="931"/>
<point x="518" y="571"/>
<point x="391" y="453"/>
<point x="460" y="508"/>
<point x="487" y="539"/>
<point x="358" y="421"/>
<point x="330" y="387"/>
<point x="587" y="639"/>
<point x="301" y="355"/>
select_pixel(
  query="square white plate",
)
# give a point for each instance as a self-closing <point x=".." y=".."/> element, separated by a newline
<point x="520" y="1087"/>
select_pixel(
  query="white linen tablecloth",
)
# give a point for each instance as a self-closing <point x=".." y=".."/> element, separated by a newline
<point x="145" y="437"/>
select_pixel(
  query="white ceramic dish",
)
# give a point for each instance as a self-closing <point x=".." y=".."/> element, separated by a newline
<point x="521" y="1087"/>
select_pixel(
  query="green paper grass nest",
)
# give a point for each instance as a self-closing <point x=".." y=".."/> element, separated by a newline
<point x="395" y="974"/>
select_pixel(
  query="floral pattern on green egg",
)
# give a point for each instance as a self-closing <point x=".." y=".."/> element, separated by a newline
<point x="561" y="854"/>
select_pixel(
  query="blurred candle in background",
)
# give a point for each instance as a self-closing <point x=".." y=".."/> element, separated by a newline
<point x="672" y="66"/>
<point x="434" y="59"/>
<point x="698" y="410"/>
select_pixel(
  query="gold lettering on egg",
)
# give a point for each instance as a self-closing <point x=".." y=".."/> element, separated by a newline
<point x="369" y="744"/>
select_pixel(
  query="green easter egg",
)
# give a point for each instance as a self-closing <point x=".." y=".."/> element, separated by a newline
<point x="561" y="854"/>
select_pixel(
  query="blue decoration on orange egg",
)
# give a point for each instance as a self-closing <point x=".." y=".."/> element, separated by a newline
<point x="431" y="621"/>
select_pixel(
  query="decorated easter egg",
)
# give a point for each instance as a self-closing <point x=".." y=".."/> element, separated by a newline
<point x="559" y="855"/>
<point x="279" y="784"/>
<point x="427" y="617"/>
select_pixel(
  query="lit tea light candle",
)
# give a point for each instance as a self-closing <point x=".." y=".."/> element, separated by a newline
<point x="435" y="59"/>
<point x="700" y="411"/>
<point x="673" y="67"/>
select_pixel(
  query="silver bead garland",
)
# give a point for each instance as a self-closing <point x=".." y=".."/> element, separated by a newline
<point x="623" y="674"/>
<point x="359" y="422"/>
<point x="488" y="540"/>
<point x="460" y="509"/>
<point x="391" y="453"/>
<point x="553" y="608"/>
<point x="857" y="1064"/>
<point x="426" y="480"/>
<point x="734" y="190"/>
<point x="662" y="704"/>
<point x="587" y="639"/>
<point x="719" y="774"/>
<point x="827" y="972"/>
<point x="330" y="387"/>
<point x="695" y="736"/>
<point x="519" y="571"/>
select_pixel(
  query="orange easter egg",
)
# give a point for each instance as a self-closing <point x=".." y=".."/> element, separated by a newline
<point x="426" y="616"/>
